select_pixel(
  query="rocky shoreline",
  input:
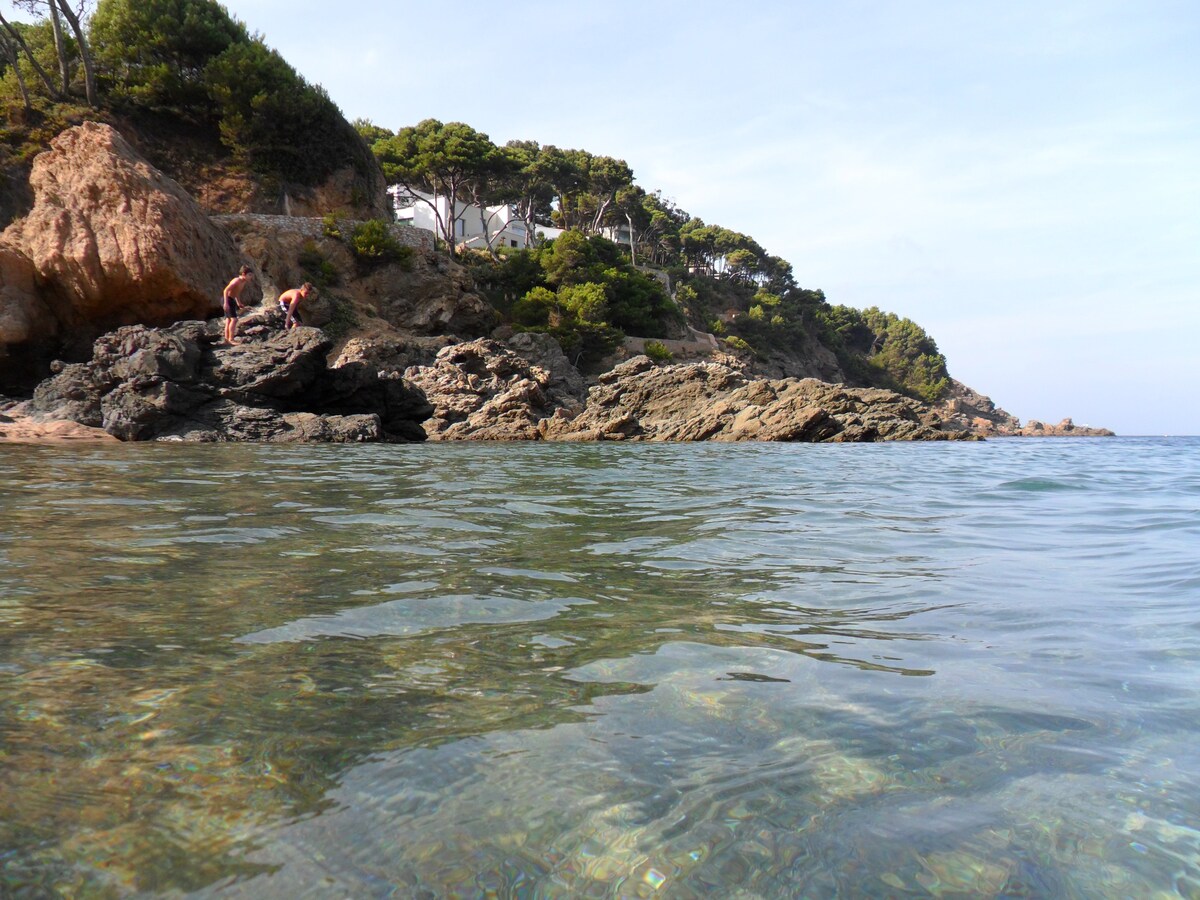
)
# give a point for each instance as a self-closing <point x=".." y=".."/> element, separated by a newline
<point x="183" y="383"/>
<point x="118" y="271"/>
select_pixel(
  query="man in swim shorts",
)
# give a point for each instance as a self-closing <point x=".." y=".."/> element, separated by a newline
<point x="289" y="304"/>
<point x="231" y="300"/>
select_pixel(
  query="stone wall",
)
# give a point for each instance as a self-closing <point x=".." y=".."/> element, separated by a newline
<point x="417" y="238"/>
<point x="700" y="345"/>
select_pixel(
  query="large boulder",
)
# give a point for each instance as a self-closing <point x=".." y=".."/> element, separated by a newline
<point x="27" y="322"/>
<point x="116" y="239"/>
<point x="24" y="314"/>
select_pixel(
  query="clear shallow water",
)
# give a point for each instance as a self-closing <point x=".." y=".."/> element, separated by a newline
<point x="601" y="670"/>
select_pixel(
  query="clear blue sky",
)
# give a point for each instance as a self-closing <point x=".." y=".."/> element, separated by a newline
<point x="1021" y="178"/>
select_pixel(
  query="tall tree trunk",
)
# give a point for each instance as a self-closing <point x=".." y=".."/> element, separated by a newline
<point x="9" y="51"/>
<point x="16" y="36"/>
<point x="632" y="251"/>
<point x="60" y="47"/>
<point x="85" y="52"/>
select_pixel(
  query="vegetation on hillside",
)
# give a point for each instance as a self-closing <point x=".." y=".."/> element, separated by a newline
<point x="630" y="261"/>
<point x="581" y="289"/>
<point x="188" y="61"/>
<point x="593" y="277"/>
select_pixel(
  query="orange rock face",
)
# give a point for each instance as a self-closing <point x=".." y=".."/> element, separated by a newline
<point x="115" y="239"/>
<point x="24" y="315"/>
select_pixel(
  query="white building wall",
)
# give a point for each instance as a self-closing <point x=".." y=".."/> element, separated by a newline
<point x="503" y="226"/>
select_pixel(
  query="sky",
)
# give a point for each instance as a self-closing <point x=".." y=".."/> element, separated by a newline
<point x="1020" y="178"/>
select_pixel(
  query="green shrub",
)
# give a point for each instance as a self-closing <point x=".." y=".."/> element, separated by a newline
<point x="738" y="344"/>
<point x="331" y="225"/>
<point x="316" y="268"/>
<point x="587" y="302"/>
<point x="658" y="351"/>
<point x="372" y="242"/>
<point x="535" y="307"/>
<point x="342" y="317"/>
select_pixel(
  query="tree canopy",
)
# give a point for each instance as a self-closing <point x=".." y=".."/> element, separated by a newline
<point x="184" y="58"/>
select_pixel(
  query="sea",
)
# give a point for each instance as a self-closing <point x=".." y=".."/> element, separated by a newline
<point x="601" y="670"/>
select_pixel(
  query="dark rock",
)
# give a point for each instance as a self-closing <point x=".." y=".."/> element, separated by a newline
<point x="179" y="383"/>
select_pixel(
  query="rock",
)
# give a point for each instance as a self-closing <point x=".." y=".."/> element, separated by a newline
<point x="393" y="353"/>
<point x="433" y="296"/>
<point x="285" y="366"/>
<point x="709" y="401"/>
<point x="119" y="241"/>
<point x="27" y="321"/>
<point x="24" y="315"/>
<point x="224" y="420"/>
<point x="19" y="428"/>
<point x="480" y="390"/>
<point x="970" y="411"/>
<point x="180" y="383"/>
<point x="356" y="388"/>
<point x="1065" y="428"/>
<point x="74" y="394"/>
<point x="566" y="386"/>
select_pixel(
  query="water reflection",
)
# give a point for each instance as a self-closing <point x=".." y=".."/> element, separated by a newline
<point x="261" y="671"/>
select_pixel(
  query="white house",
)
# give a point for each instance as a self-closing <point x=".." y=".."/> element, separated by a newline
<point x="473" y="227"/>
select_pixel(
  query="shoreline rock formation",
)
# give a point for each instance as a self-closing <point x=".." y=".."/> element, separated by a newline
<point x="112" y="243"/>
<point x="182" y="383"/>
